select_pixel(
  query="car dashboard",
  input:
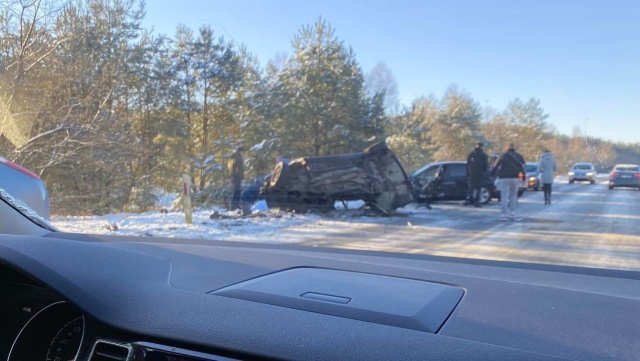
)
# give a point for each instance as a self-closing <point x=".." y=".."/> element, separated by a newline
<point x="98" y="298"/>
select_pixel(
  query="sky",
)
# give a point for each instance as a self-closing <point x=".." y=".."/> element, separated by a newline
<point x="580" y="58"/>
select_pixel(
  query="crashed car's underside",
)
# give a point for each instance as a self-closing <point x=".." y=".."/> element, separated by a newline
<point x="315" y="183"/>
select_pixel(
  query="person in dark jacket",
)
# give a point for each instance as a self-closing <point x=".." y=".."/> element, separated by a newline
<point x="235" y="168"/>
<point x="477" y="163"/>
<point x="510" y="170"/>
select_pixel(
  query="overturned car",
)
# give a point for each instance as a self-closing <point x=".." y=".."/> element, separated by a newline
<point x="316" y="183"/>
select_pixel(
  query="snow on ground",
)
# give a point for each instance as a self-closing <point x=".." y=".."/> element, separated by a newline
<point x="262" y="226"/>
<point x="173" y="224"/>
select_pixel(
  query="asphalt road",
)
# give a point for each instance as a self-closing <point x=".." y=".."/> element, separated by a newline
<point x="586" y="225"/>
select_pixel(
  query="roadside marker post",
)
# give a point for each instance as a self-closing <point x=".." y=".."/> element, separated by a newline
<point x="186" y="198"/>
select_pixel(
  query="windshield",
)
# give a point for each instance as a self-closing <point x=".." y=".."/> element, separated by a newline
<point x="301" y="122"/>
<point x="627" y="168"/>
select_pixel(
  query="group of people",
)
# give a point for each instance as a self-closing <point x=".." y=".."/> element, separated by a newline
<point x="510" y="170"/>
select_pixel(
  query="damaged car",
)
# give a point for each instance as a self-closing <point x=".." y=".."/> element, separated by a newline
<point x="374" y="176"/>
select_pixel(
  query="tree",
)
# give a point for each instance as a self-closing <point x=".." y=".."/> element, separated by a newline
<point x="497" y="131"/>
<point x="380" y="80"/>
<point x="408" y="133"/>
<point x="456" y="127"/>
<point x="325" y="107"/>
<point x="218" y="72"/>
<point x="26" y="45"/>
<point x="530" y="128"/>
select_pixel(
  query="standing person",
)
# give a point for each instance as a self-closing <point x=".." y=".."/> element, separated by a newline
<point x="548" y="168"/>
<point x="477" y="163"/>
<point x="509" y="168"/>
<point x="236" y="173"/>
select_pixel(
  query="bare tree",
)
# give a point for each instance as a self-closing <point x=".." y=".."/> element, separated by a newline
<point x="26" y="42"/>
<point x="381" y="80"/>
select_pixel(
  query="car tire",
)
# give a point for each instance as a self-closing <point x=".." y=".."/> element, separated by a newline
<point x="592" y="182"/>
<point x="485" y="195"/>
<point x="571" y="182"/>
<point x="611" y="188"/>
<point x="280" y="176"/>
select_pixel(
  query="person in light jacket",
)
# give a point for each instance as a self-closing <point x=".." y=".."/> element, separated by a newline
<point x="548" y="169"/>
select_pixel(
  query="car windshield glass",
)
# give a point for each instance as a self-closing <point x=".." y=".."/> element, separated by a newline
<point x="315" y="123"/>
<point x="627" y="169"/>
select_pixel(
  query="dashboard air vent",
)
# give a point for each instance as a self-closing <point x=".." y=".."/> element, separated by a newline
<point x="110" y="351"/>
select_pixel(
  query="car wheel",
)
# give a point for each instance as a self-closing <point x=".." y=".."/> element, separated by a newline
<point x="610" y="187"/>
<point x="485" y="195"/>
<point x="592" y="182"/>
<point x="280" y="175"/>
<point x="571" y="181"/>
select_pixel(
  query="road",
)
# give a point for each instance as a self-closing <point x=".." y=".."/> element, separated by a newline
<point x="587" y="225"/>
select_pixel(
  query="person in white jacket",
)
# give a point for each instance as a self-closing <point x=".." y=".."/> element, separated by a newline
<point x="548" y="169"/>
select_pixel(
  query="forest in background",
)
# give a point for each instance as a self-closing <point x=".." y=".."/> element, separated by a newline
<point x="109" y="113"/>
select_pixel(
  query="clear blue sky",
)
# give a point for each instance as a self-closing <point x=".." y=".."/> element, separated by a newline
<point x="580" y="58"/>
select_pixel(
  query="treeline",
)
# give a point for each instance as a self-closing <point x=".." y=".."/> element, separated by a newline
<point x="107" y="113"/>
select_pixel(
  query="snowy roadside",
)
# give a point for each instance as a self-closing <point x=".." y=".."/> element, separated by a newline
<point x="263" y="226"/>
<point x="172" y="224"/>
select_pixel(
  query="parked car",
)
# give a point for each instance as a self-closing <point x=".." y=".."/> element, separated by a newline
<point x="315" y="183"/>
<point x="625" y="175"/>
<point x="447" y="181"/>
<point x="583" y="172"/>
<point x="24" y="185"/>
<point x="532" y="178"/>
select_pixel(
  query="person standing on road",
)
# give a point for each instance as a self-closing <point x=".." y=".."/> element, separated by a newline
<point x="236" y="173"/>
<point x="509" y="168"/>
<point x="548" y="169"/>
<point x="477" y="163"/>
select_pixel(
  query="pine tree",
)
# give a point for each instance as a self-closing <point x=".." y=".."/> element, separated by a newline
<point x="325" y="108"/>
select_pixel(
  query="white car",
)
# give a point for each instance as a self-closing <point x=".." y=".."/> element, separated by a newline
<point x="584" y="172"/>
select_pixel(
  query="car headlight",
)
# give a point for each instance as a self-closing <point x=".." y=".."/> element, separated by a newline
<point x="589" y="174"/>
<point x="571" y="173"/>
<point x="532" y="179"/>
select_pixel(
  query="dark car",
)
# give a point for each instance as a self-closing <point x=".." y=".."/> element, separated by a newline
<point x="316" y="183"/>
<point x="625" y="175"/>
<point x="447" y="181"/>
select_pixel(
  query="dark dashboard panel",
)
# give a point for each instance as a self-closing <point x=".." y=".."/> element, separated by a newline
<point x="159" y="292"/>
<point x="18" y="304"/>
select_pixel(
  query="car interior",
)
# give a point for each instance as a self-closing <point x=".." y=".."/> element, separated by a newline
<point x="83" y="297"/>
